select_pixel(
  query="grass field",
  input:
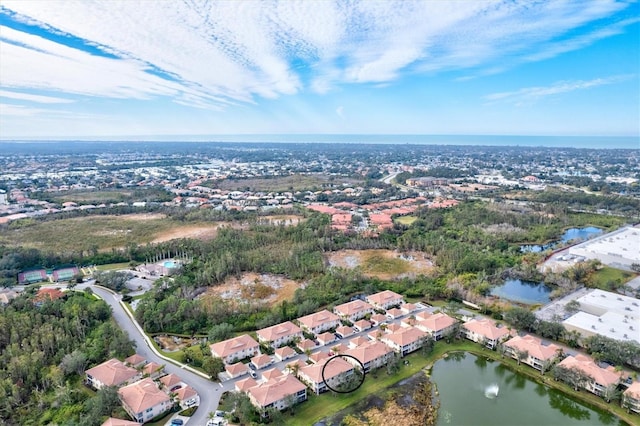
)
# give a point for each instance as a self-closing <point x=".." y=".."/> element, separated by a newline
<point x="406" y="220"/>
<point x="608" y="278"/>
<point x="284" y="183"/>
<point x="102" y="196"/>
<point x="374" y="264"/>
<point x="95" y="232"/>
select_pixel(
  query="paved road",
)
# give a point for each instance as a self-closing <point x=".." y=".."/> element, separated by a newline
<point x="208" y="391"/>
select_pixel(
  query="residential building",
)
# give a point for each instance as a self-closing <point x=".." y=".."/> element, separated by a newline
<point x="602" y="380"/>
<point x="284" y="353"/>
<point x="143" y="400"/>
<point x="261" y="360"/>
<point x="278" y="392"/>
<point x="385" y="299"/>
<point x="337" y="371"/>
<point x="485" y="331"/>
<point x="538" y="355"/>
<point x="171" y="382"/>
<point x="306" y="345"/>
<point x="118" y="422"/>
<point x="187" y="396"/>
<point x="236" y="370"/>
<point x="371" y="354"/>
<point x="358" y="341"/>
<point x="344" y="331"/>
<point x="46" y="295"/>
<point x="354" y="310"/>
<point x="111" y="373"/>
<point x="394" y="313"/>
<point x="153" y="370"/>
<point x="405" y="340"/>
<point x="279" y="334"/>
<point x="244" y="384"/>
<point x="135" y="361"/>
<point x="631" y="397"/>
<point x="326" y="338"/>
<point x="235" y="349"/>
<point x="378" y="319"/>
<point x="320" y="321"/>
<point x="437" y="325"/>
<point x="362" y="325"/>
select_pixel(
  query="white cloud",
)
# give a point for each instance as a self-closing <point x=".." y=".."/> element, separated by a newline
<point x="340" y="111"/>
<point x="209" y="54"/>
<point x="34" y="98"/>
<point x="532" y="94"/>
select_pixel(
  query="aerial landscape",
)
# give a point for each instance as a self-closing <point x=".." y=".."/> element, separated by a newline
<point x="319" y="213"/>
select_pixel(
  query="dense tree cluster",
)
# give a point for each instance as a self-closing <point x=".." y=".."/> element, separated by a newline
<point x="43" y="349"/>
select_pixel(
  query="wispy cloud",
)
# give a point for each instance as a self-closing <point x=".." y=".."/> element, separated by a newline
<point x="532" y="94"/>
<point x="34" y="98"/>
<point x="209" y="54"/>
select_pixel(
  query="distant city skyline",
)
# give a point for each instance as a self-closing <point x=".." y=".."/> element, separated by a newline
<point x="100" y="69"/>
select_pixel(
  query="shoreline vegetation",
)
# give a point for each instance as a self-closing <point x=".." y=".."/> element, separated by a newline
<point x="327" y="408"/>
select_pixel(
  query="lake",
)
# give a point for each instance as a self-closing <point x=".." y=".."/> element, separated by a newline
<point x="476" y="391"/>
<point x="520" y="291"/>
<point x="571" y="234"/>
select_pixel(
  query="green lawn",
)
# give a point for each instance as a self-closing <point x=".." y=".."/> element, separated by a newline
<point x="608" y="278"/>
<point x="406" y="220"/>
<point x="113" y="266"/>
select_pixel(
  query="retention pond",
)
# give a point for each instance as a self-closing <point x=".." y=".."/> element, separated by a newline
<point x="476" y="391"/>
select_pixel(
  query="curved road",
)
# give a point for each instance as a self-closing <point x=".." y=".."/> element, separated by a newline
<point x="208" y="391"/>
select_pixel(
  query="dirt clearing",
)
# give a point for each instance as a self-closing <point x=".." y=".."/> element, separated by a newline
<point x="271" y="289"/>
<point x="383" y="264"/>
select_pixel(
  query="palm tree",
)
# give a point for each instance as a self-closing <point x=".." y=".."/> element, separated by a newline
<point x="522" y="355"/>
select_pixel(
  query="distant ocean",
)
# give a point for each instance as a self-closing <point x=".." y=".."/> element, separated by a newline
<point x="594" y="142"/>
<point x="591" y="142"/>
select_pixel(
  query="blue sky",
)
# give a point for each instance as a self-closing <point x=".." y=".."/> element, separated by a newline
<point x="125" y="68"/>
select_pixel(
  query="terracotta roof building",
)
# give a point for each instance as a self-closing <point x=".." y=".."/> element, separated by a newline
<point x="405" y="341"/>
<point x="143" y="400"/>
<point x="437" y="325"/>
<point x="385" y="299"/>
<point x="319" y="321"/>
<point x="279" y="334"/>
<point x="336" y="372"/>
<point x="277" y="392"/>
<point x="631" y="397"/>
<point x="539" y="356"/>
<point x="486" y="331"/>
<point x="110" y="373"/>
<point x="602" y="379"/>
<point x="353" y="310"/>
<point x="372" y="355"/>
<point x="119" y="422"/>
<point x="235" y="349"/>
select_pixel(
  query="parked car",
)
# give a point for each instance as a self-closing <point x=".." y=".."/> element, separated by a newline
<point x="253" y="374"/>
<point x="177" y="422"/>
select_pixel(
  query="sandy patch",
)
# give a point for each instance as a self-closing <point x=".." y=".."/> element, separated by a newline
<point x="383" y="264"/>
<point x="287" y="220"/>
<point x="141" y="216"/>
<point x="199" y="232"/>
<point x="268" y="288"/>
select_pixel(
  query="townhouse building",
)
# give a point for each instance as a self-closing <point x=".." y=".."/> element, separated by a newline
<point x="235" y="349"/>
<point x="354" y="310"/>
<point x="143" y="400"/>
<point x="111" y="373"/>
<point x="538" y="355"/>
<point x="279" y="334"/>
<point x="319" y="322"/>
